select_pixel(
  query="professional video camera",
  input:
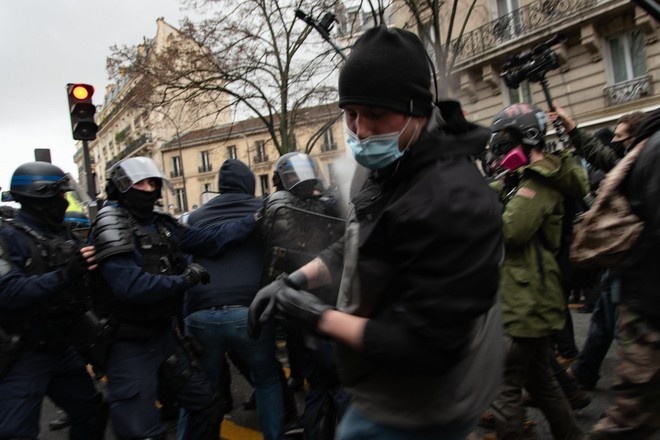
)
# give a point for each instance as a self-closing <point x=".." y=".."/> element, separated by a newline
<point x="532" y="65"/>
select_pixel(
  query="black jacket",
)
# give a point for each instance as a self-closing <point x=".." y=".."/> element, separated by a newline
<point x="421" y="260"/>
<point x="235" y="275"/>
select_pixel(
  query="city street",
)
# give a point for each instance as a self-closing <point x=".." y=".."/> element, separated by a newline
<point x="242" y="425"/>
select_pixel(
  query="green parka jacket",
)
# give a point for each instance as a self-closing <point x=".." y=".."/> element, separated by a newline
<point x="533" y="303"/>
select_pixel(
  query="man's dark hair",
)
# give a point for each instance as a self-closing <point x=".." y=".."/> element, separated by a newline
<point x="634" y="120"/>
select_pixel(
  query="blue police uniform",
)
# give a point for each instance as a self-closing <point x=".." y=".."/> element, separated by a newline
<point x="41" y="311"/>
<point x="142" y="261"/>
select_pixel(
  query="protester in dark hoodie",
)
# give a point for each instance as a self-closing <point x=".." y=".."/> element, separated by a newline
<point x="216" y="313"/>
<point x="417" y="321"/>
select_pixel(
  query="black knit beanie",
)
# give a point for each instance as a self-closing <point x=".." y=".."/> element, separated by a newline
<point x="387" y="67"/>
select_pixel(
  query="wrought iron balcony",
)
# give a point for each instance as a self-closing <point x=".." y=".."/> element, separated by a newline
<point x="205" y="168"/>
<point x="628" y="90"/>
<point x="519" y="23"/>
<point x="260" y="158"/>
<point x="131" y="147"/>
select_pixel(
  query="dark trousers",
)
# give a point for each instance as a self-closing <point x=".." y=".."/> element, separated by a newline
<point x="60" y="375"/>
<point x="602" y="329"/>
<point x="138" y="369"/>
<point x="527" y="365"/>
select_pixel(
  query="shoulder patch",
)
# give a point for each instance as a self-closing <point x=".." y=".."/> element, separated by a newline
<point x="526" y="193"/>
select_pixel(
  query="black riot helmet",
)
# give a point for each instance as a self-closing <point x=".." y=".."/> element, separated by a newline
<point x="524" y="123"/>
<point x="39" y="187"/>
<point x="298" y="173"/>
<point x="38" y="180"/>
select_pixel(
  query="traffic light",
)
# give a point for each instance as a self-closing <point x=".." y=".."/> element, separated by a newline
<point x="82" y="111"/>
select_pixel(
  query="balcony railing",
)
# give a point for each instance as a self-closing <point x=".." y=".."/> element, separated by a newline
<point x="519" y="23"/>
<point x="260" y="158"/>
<point x="131" y="147"/>
<point x="205" y="168"/>
<point x="628" y="90"/>
<point x="176" y="173"/>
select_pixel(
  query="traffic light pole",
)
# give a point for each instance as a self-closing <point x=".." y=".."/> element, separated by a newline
<point x="91" y="186"/>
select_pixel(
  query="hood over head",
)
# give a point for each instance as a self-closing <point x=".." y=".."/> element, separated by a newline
<point x="236" y="177"/>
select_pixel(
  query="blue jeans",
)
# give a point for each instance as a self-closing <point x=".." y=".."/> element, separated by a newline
<point x="354" y="426"/>
<point x="602" y="329"/>
<point x="220" y="329"/>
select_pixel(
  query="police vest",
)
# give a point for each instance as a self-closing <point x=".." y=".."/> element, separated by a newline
<point x="52" y="319"/>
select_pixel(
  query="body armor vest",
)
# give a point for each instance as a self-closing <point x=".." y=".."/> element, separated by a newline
<point x="52" y="320"/>
<point x="296" y="229"/>
<point x="161" y="255"/>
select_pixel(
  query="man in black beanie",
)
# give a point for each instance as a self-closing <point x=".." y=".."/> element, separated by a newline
<point x="416" y="322"/>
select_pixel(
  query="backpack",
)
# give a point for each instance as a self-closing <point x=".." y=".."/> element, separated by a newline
<point x="605" y="233"/>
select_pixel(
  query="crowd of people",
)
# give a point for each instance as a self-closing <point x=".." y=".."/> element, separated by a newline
<point x="391" y="313"/>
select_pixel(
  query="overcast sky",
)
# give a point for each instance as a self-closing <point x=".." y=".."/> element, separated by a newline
<point x="46" y="44"/>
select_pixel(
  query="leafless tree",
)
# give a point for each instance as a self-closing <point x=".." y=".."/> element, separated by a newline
<point x="251" y="57"/>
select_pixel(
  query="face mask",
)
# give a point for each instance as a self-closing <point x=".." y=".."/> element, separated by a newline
<point x="514" y="159"/>
<point x="378" y="151"/>
<point x="141" y="203"/>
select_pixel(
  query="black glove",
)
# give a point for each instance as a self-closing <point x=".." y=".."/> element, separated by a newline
<point x="196" y="273"/>
<point x="76" y="268"/>
<point x="262" y="308"/>
<point x="300" y="306"/>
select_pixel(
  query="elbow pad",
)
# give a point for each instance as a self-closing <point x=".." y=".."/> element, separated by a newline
<point x="112" y="233"/>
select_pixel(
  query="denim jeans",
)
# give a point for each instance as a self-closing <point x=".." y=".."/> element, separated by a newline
<point x="220" y="329"/>
<point x="354" y="426"/>
<point x="602" y="329"/>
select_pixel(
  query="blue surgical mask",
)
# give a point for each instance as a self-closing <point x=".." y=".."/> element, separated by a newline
<point x="375" y="152"/>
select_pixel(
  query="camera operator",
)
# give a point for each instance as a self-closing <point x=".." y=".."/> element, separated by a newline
<point x="533" y="301"/>
<point x="600" y="155"/>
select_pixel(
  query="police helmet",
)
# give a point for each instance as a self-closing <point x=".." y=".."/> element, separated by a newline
<point x="76" y="219"/>
<point x="528" y="122"/>
<point x="297" y="172"/>
<point x="124" y="174"/>
<point x="38" y="180"/>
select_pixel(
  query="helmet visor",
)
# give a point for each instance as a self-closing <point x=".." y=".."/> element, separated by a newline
<point x="131" y="171"/>
<point x="297" y="169"/>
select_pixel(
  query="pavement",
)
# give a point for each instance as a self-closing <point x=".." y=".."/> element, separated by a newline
<point x="242" y="424"/>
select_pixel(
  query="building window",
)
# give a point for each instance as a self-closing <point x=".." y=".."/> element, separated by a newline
<point x="260" y="150"/>
<point x="508" y="24"/>
<point x="204" y="162"/>
<point x="265" y="186"/>
<point x="329" y="143"/>
<point x="181" y="203"/>
<point x="177" y="169"/>
<point x="522" y="94"/>
<point x="231" y="152"/>
<point x="627" y="58"/>
<point x="207" y="187"/>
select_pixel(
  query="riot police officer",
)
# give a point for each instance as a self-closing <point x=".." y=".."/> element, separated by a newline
<point x="140" y="253"/>
<point x="299" y="220"/>
<point x="42" y="303"/>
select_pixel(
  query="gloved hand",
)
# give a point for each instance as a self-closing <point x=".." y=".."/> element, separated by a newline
<point x="300" y="306"/>
<point x="262" y="308"/>
<point x="76" y="267"/>
<point x="196" y="273"/>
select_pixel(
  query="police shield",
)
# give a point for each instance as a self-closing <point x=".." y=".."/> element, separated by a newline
<point x="310" y="233"/>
